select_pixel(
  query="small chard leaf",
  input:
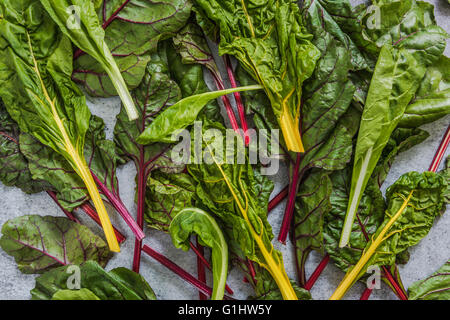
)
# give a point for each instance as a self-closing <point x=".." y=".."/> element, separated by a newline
<point x="39" y="244"/>
<point x="272" y="44"/>
<point x="167" y="195"/>
<point x="38" y="93"/>
<point x="14" y="169"/>
<point x="181" y="115"/>
<point x="89" y="36"/>
<point x="434" y="287"/>
<point x="118" y="284"/>
<point x="82" y="294"/>
<point x="132" y="32"/>
<point x="414" y="202"/>
<point x="193" y="220"/>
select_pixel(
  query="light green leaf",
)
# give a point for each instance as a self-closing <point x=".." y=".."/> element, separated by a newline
<point x="193" y="220"/>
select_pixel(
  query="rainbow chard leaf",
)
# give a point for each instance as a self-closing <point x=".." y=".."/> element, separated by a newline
<point x="118" y="284"/>
<point x="191" y="44"/>
<point x="194" y="220"/>
<point x="38" y="93"/>
<point x="182" y="114"/>
<point x="14" y="169"/>
<point x="239" y="196"/>
<point x="167" y="195"/>
<point x="42" y="243"/>
<point x="313" y="201"/>
<point x="132" y="32"/>
<point x="396" y="78"/>
<point x="434" y="287"/>
<point x="272" y="44"/>
<point x="414" y="202"/>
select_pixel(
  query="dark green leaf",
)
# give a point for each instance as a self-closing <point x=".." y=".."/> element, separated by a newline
<point x="118" y="284"/>
<point x="132" y="31"/>
<point x="434" y="287"/>
<point x="42" y="243"/>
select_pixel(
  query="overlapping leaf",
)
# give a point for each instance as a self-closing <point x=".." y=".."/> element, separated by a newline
<point x="272" y="44"/>
<point x="434" y="287"/>
<point x="42" y="243"/>
<point x="132" y="31"/>
<point x="118" y="284"/>
<point x="14" y="169"/>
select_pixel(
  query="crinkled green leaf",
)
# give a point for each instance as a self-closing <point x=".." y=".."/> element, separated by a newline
<point x="132" y="31"/>
<point x="434" y="287"/>
<point x="368" y="218"/>
<point x="266" y="288"/>
<point x="239" y="196"/>
<point x="401" y="140"/>
<point x="49" y="166"/>
<point x="14" y="169"/>
<point x="191" y="44"/>
<point x="194" y="220"/>
<point x="167" y="195"/>
<point x="272" y="44"/>
<point x="414" y="202"/>
<point x="39" y="244"/>
<point x="118" y="284"/>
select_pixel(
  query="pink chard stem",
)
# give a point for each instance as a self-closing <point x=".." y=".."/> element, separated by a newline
<point x="289" y="212"/>
<point x="179" y="271"/>
<point x="237" y="97"/>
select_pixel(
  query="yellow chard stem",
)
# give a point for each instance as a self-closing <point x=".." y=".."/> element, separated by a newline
<point x="291" y="132"/>
<point x="352" y="275"/>
<point x="77" y="161"/>
<point x="275" y="269"/>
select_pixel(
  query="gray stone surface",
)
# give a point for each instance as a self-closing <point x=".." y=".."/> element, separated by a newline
<point x="428" y="256"/>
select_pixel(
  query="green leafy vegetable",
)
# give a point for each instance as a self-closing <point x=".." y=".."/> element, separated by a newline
<point x="14" y="169"/>
<point x="89" y="36"/>
<point x="434" y="287"/>
<point x="414" y="202"/>
<point x="272" y="44"/>
<point x="396" y="78"/>
<point x="82" y="294"/>
<point x="38" y="93"/>
<point x="240" y="196"/>
<point x="432" y="99"/>
<point x="193" y="220"/>
<point x="181" y="115"/>
<point x="167" y="195"/>
<point x="42" y="243"/>
<point x="133" y="29"/>
<point x="118" y="284"/>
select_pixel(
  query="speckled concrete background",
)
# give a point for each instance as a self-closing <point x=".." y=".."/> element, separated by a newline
<point x="427" y="257"/>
